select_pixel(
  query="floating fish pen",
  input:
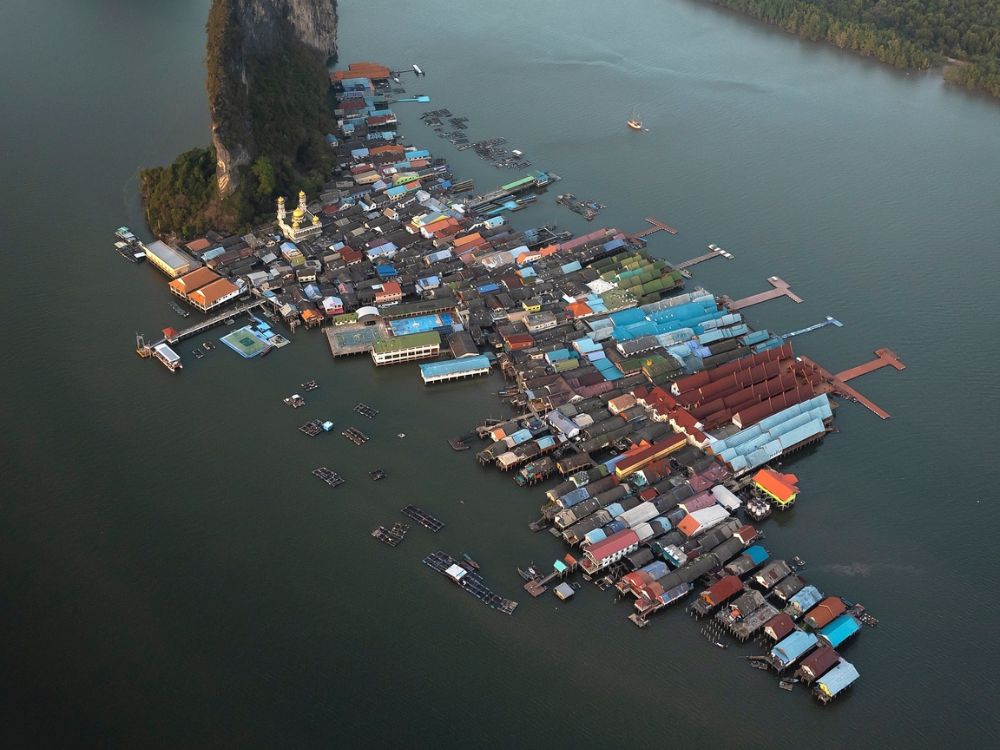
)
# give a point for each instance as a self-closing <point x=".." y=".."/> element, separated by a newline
<point x="377" y="475"/>
<point x="329" y="476"/>
<point x="315" y="427"/>
<point x="355" y="435"/>
<point x="295" y="401"/>
<point x="366" y="411"/>
<point x="469" y="580"/>
<point x="422" y="517"/>
<point x="587" y="209"/>
<point x="392" y="536"/>
<point x="309" y="385"/>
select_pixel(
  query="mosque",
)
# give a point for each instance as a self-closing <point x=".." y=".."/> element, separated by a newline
<point x="305" y="225"/>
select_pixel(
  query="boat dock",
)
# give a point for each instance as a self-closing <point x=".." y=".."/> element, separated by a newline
<point x="883" y="358"/>
<point x="655" y="226"/>
<point x="469" y="579"/>
<point x="837" y="384"/>
<point x="781" y="289"/>
<point x="716" y="252"/>
<point x="215" y="320"/>
<point x="422" y="517"/>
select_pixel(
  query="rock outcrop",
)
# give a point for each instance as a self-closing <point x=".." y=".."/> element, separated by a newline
<point x="246" y="37"/>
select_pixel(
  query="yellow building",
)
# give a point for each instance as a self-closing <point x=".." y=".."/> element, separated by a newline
<point x="304" y="224"/>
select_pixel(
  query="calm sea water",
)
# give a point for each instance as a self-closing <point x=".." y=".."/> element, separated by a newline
<point x="173" y="576"/>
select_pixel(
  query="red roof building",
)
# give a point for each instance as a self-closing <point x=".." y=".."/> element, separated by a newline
<point x="614" y="548"/>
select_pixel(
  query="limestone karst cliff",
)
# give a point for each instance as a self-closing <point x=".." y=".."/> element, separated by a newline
<point x="268" y="93"/>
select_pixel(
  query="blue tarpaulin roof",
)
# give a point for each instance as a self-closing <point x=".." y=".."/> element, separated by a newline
<point x="838" y="678"/>
<point x="792" y="647"/>
<point x="454" y="366"/>
<point x="840" y="630"/>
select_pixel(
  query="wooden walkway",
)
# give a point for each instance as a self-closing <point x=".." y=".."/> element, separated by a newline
<point x="211" y="322"/>
<point x="837" y="384"/>
<point x="883" y="358"/>
<point x="781" y="289"/>
<point x="656" y="226"/>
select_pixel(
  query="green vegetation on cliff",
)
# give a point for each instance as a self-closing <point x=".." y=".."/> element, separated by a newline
<point x="181" y="198"/>
<point x="270" y="111"/>
<point x="910" y="34"/>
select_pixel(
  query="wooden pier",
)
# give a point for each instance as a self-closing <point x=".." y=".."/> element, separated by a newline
<point x="781" y="289"/>
<point x="656" y="226"/>
<point x="883" y="358"/>
<point x="215" y="320"/>
<point x="714" y="252"/>
<point x="837" y="384"/>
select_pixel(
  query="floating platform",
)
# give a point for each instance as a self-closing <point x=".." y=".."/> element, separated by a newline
<point x="295" y="401"/>
<point x="377" y="475"/>
<point x="392" y="536"/>
<point x="366" y="411"/>
<point x="309" y="385"/>
<point x="355" y="435"/>
<point x="314" y="427"/>
<point x="469" y="580"/>
<point x="422" y="517"/>
<point x="329" y="476"/>
<point x="587" y="209"/>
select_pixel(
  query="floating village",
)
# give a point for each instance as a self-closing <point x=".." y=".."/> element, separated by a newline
<point x="656" y="414"/>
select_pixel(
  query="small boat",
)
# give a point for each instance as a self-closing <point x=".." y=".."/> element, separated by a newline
<point x="634" y="122"/>
<point x="401" y="435"/>
<point x="468" y="559"/>
<point x="417" y="70"/>
<point x="530" y="574"/>
<point x="208" y="346"/>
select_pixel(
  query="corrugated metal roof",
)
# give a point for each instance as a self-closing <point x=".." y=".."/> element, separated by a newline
<point x="454" y="366"/>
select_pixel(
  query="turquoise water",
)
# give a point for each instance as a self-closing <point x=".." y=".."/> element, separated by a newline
<point x="174" y="575"/>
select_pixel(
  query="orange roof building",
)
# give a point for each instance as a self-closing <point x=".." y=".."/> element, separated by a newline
<point x="212" y="295"/>
<point x="782" y="489"/>
<point x="198" y="246"/>
<point x="688" y="525"/>
<point x="184" y="285"/>
<point x="374" y="71"/>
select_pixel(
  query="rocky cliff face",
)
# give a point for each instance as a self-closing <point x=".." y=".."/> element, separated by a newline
<point x="244" y="38"/>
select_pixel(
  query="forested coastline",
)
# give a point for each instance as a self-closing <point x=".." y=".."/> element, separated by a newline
<point x="908" y="34"/>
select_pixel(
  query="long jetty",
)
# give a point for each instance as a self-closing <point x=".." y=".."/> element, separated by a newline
<point x="838" y="383"/>
<point x="781" y="289"/>
<point x="655" y="226"/>
<point x="211" y="322"/>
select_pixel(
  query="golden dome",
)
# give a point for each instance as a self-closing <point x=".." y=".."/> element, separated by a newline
<point x="281" y="199"/>
<point x="298" y="213"/>
<point x="302" y="195"/>
<point x="315" y="221"/>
